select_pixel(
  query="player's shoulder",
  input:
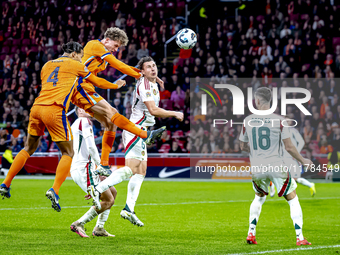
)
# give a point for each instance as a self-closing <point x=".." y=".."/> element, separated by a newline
<point x="145" y="84"/>
<point x="96" y="45"/>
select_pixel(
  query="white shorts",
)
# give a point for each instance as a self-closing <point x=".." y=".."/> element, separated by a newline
<point x="84" y="177"/>
<point x="134" y="146"/>
<point x="283" y="182"/>
<point x="294" y="167"/>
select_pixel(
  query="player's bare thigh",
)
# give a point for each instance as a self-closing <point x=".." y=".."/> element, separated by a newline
<point x="290" y="196"/>
<point x="32" y="143"/>
<point x="103" y="112"/>
<point x="136" y="166"/>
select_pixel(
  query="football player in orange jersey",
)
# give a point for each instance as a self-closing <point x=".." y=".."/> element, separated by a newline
<point x="97" y="56"/>
<point x="59" y="78"/>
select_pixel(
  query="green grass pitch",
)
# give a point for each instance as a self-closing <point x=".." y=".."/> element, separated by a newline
<point x="179" y="218"/>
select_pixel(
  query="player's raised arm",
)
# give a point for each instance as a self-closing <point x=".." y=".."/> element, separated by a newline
<point x="124" y="68"/>
<point x="104" y="84"/>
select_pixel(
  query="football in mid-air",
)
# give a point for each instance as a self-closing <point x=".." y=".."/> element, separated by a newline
<point x="186" y="38"/>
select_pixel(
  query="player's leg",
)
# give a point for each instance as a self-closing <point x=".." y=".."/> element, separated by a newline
<point x="20" y="159"/>
<point x="107" y="197"/>
<point x="105" y="113"/>
<point x="296" y="215"/>
<point x="296" y="174"/>
<point x="107" y="143"/>
<point x="260" y="186"/>
<point x="62" y="171"/>
<point x="272" y="189"/>
<point x="138" y="167"/>
<point x="307" y="183"/>
<point x="254" y="215"/>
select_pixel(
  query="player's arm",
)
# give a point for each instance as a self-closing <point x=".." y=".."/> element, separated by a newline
<point x="89" y="140"/>
<point x="159" y="112"/>
<point x="244" y="141"/>
<point x="104" y="84"/>
<point x="124" y="68"/>
<point x="96" y="81"/>
<point x="291" y="149"/>
<point x="300" y="141"/>
<point x="244" y="146"/>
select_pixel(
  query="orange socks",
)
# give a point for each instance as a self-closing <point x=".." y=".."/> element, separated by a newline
<point x="18" y="163"/>
<point x="63" y="169"/>
<point x="107" y="143"/>
<point x="123" y="123"/>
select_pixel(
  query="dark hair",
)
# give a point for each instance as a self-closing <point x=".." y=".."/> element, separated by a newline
<point x="143" y="60"/>
<point x="72" y="47"/>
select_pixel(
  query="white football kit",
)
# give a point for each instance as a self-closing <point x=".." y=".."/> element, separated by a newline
<point x="265" y="135"/>
<point x="145" y="90"/>
<point x="292" y="163"/>
<point x="86" y="155"/>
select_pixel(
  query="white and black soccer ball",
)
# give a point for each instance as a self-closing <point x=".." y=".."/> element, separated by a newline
<point x="186" y="38"/>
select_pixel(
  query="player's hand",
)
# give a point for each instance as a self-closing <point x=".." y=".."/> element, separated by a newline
<point x="179" y="116"/>
<point x="307" y="163"/>
<point x="160" y="82"/>
<point x="121" y="83"/>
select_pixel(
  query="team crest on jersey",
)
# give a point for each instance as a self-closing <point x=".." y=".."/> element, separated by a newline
<point x="96" y="95"/>
<point x="148" y="94"/>
<point x="154" y="92"/>
<point x="143" y="153"/>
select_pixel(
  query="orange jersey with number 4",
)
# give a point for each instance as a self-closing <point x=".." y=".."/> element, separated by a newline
<point x="58" y="79"/>
<point x="97" y="57"/>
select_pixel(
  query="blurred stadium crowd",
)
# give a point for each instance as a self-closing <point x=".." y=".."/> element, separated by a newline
<point x="278" y="43"/>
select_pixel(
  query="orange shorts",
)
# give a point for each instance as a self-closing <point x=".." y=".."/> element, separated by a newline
<point x="53" y="117"/>
<point x="85" y="96"/>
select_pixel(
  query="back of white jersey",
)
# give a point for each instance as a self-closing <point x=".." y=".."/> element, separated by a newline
<point x="81" y="129"/>
<point x="145" y="91"/>
<point x="264" y="134"/>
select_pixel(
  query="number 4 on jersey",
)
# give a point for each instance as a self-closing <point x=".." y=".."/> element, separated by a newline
<point x="54" y="76"/>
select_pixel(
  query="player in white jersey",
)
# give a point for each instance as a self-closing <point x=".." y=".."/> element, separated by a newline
<point x="293" y="164"/>
<point x="265" y="134"/>
<point x="144" y="110"/>
<point x="85" y="159"/>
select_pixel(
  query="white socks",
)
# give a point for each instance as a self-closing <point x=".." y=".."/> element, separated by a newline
<point x="255" y="210"/>
<point x="102" y="218"/>
<point x="303" y="181"/>
<point x="134" y="186"/>
<point x="116" y="177"/>
<point x="88" y="216"/>
<point x="296" y="215"/>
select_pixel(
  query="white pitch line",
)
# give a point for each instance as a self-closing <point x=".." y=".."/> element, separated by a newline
<point x="180" y="203"/>
<point x="287" y="250"/>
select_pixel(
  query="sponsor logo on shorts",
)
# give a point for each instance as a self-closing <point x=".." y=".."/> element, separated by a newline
<point x="143" y="153"/>
<point x="148" y="94"/>
<point x="96" y="95"/>
<point x="154" y="92"/>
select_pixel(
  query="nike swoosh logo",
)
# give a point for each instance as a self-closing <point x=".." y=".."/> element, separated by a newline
<point x="164" y="174"/>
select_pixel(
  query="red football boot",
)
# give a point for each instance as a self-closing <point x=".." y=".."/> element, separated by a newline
<point x="303" y="242"/>
<point x="251" y="239"/>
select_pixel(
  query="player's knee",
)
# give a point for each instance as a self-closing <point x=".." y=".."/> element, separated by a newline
<point x="69" y="153"/>
<point x="29" y="150"/>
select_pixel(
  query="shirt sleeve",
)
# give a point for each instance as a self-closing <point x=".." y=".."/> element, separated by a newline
<point x="82" y="70"/>
<point x="99" y="50"/>
<point x="285" y="132"/>
<point x="86" y="128"/>
<point x="243" y="135"/>
<point x="144" y="90"/>
<point x="124" y="68"/>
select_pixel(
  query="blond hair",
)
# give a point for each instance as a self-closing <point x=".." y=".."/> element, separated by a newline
<point x="117" y="34"/>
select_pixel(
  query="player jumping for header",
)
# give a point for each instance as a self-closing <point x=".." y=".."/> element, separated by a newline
<point x="145" y="109"/>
